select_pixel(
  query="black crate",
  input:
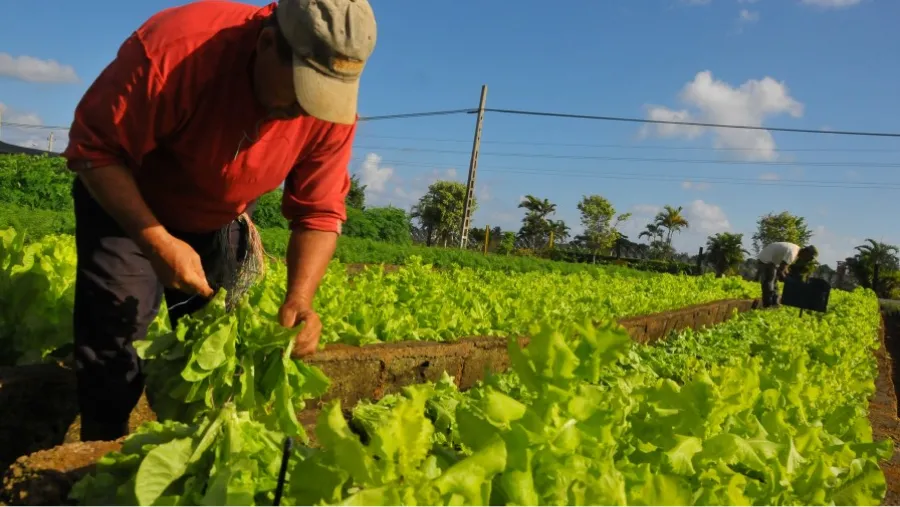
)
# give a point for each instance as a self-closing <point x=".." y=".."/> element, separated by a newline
<point x="811" y="295"/>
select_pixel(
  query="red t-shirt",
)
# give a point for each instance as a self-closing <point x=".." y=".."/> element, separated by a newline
<point x="177" y="107"/>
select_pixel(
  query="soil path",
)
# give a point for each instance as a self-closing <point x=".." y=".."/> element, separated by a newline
<point x="883" y="405"/>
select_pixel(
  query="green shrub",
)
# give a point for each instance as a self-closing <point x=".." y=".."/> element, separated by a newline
<point x="36" y="182"/>
<point x="267" y="214"/>
<point x="36" y="223"/>
<point x="389" y="225"/>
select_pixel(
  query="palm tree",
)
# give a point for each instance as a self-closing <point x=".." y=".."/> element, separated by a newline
<point x="539" y="207"/>
<point x="652" y="232"/>
<point x="876" y="252"/>
<point x="725" y="252"/>
<point x="672" y="221"/>
<point x="658" y="248"/>
<point x="535" y="230"/>
<point x="559" y="229"/>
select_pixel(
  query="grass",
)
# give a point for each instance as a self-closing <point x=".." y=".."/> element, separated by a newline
<point x="39" y="223"/>
<point x="364" y="251"/>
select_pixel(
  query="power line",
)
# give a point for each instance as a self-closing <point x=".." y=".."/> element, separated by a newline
<point x="640" y="159"/>
<point x="416" y="115"/>
<point x="627" y="146"/>
<point x="361" y="118"/>
<point x="872" y="185"/>
<point x="689" y="123"/>
<point x="31" y="126"/>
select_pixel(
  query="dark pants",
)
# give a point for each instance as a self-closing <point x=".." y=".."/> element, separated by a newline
<point x="768" y="275"/>
<point x="117" y="296"/>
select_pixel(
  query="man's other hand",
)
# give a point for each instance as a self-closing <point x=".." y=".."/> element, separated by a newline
<point x="178" y="266"/>
<point x="294" y="313"/>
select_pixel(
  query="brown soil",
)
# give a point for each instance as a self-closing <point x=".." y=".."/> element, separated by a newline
<point x="38" y="405"/>
<point x="45" y="477"/>
<point x="141" y="414"/>
<point x="883" y="405"/>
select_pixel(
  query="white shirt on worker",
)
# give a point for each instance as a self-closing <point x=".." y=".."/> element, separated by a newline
<point x="776" y="253"/>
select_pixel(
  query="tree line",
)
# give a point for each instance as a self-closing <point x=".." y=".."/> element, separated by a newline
<point x="43" y="183"/>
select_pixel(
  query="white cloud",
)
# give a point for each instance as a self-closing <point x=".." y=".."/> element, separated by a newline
<point x="769" y="177"/>
<point x="715" y="101"/>
<point x="17" y="128"/>
<point x="505" y="220"/>
<point x="659" y="113"/>
<point x="695" y="185"/>
<point x="746" y="16"/>
<point x="390" y="189"/>
<point x="483" y="192"/>
<point x="35" y="70"/>
<point x="646" y="209"/>
<point x="831" y="4"/>
<point x="373" y="175"/>
<point x="706" y="218"/>
<point x="832" y="246"/>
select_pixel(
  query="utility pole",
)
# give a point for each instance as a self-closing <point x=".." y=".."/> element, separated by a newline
<point x="487" y="238"/>
<point x="473" y="165"/>
<point x="50" y="142"/>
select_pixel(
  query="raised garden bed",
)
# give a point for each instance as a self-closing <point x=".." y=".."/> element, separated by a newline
<point x="39" y="401"/>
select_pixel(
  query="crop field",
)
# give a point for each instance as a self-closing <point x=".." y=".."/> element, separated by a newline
<point x="416" y="303"/>
<point x="768" y="408"/>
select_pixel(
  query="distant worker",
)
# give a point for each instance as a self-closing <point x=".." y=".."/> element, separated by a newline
<point x="775" y="261"/>
<point x="206" y="107"/>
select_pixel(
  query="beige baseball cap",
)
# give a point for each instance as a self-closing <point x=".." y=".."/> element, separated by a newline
<point x="332" y="40"/>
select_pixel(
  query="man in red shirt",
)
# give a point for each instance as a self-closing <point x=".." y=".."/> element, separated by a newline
<point x="205" y="108"/>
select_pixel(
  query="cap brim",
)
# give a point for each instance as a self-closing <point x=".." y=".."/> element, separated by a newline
<point x="325" y="97"/>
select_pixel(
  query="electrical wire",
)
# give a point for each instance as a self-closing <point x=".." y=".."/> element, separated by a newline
<point x="637" y="159"/>
<point x="626" y="146"/>
<point x="415" y="115"/>
<point x="650" y="177"/>
<point x="688" y="123"/>
<point x="575" y="116"/>
<point x="361" y="119"/>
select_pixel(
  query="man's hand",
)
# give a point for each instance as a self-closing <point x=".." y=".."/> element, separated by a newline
<point x="178" y="266"/>
<point x="292" y="314"/>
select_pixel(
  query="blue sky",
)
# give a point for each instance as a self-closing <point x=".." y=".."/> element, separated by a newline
<point x="820" y="64"/>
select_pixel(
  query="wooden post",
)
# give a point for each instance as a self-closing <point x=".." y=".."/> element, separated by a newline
<point x="487" y="238"/>
<point x="700" y="262"/>
<point x="875" y="278"/>
<point x="551" y="240"/>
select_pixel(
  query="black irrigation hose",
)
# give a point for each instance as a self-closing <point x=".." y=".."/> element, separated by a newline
<point x="282" y="474"/>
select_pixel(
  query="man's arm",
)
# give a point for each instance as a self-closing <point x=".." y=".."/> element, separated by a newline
<point x="313" y="202"/>
<point x="308" y="255"/>
<point x="114" y="188"/>
<point x="116" y="124"/>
